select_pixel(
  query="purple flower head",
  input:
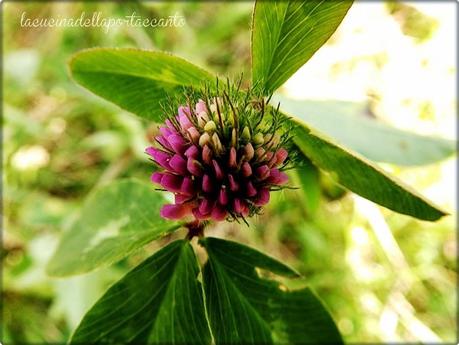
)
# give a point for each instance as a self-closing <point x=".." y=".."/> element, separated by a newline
<point x="221" y="158"/>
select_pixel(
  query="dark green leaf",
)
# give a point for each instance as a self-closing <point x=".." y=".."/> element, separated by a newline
<point x="114" y="221"/>
<point x="245" y="308"/>
<point x="160" y="302"/>
<point x="362" y="176"/>
<point x="285" y="34"/>
<point x="136" y="80"/>
<point x="349" y="125"/>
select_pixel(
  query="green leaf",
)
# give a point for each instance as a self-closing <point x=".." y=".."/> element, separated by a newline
<point x="349" y="125"/>
<point x="136" y="80"/>
<point x="245" y="308"/>
<point x="285" y="34"/>
<point x="160" y="301"/>
<point x="361" y="176"/>
<point x="114" y="221"/>
<point x="308" y="176"/>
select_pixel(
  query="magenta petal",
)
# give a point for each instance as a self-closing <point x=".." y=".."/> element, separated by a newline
<point x="181" y="198"/>
<point x="201" y="106"/>
<point x="171" y="126"/>
<point x="171" y="182"/>
<point x="160" y="157"/>
<point x="218" y="213"/>
<point x="177" y="143"/>
<point x="164" y="143"/>
<point x="262" y="197"/>
<point x="187" y="186"/>
<point x="207" y="155"/>
<point x="192" y="152"/>
<point x="246" y="169"/>
<point x="156" y="177"/>
<point x="232" y="163"/>
<point x="194" y="134"/>
<point x="175" y="211"/>
<point x="150" y="150"/>
<point x="178" y="164"/>
<point x="234" y="186"/>
<point x="250" y="190"/>
<point x="184" y="114"/>
<point x="283" y="178"/>
<point x="207" y="184"/>
<point x="277" y="177"/>
<point x="185" y="122"/>
<point x="239" y="206"/>
<point x="184" y="111"/>
<point x="194" y="167"/>
<point x="206" y="206"/>
<point x="262" y="172"/>
<point x="269" y="155"/>
<point x="223" y="196"/>
<point x="198" y="215"/>
<point x="217" y="169"/>
<point x="281" y="156"/>
<point x="166" y="131"/>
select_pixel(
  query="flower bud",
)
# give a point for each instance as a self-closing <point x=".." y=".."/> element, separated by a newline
<point x="210" y="126"/>
<point x="218" y="167"/>
<point x="258" y="139"/>
<point x="204" y="139"/>
<point x="246" y="134"/>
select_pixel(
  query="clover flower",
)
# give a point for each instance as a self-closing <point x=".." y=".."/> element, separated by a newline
<point x="220" y="159"/>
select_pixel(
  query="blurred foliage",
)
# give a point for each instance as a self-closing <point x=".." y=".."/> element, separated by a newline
<point x="413" y="22"/>
<point x="61" y="142"/>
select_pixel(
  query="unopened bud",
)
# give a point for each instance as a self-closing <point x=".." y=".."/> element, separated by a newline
<point x="204" y="139"/>
<point x="210" y="126"/>
<point x="258" y="139"/>
<point x="217" y="144"/>
<point x="260" y="152"/>
<point x="246" y="134"/>
<point x="233" y="137"/>
<point x="248" y="151"/>
<point x="194" y="134"/>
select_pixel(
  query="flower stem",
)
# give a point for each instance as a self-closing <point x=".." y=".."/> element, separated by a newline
<point x="195" y="228"/>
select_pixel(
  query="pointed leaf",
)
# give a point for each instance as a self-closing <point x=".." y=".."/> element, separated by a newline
<point x="114" y="221"/>
<point x="244" y="308"/>
<point x="285" y="34"/>
<point x="159" y="302"/>
<point x="136" y="80"/>
<point x="367" y="136"/>
<point x="361" y="176"/>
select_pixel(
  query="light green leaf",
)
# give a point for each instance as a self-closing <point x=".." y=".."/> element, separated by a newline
<point x="347" y="123"/>
<point x="285" y="34"/>
<point x="308" y="176"/>
<point x="114" y="221"/>
<point x="158" y="302"/>
<point x="361" y="176"/>
<point x="245" y="308"/>
<point x="136" y="80"/>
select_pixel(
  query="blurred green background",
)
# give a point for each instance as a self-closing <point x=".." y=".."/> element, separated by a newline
<point x="383" y="276"/>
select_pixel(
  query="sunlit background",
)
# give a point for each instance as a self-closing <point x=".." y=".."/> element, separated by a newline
<point x="384" y="277"/>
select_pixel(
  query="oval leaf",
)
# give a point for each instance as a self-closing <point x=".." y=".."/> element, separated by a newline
<point x="114" y="221"/>
<point x="361" y="176"/>
<point x="285" y="34"/>
<point x="136" y="80"/>
<point x="247" y="309"/>
<point x="160" y="302"/>
<point x="367" y="136"/>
